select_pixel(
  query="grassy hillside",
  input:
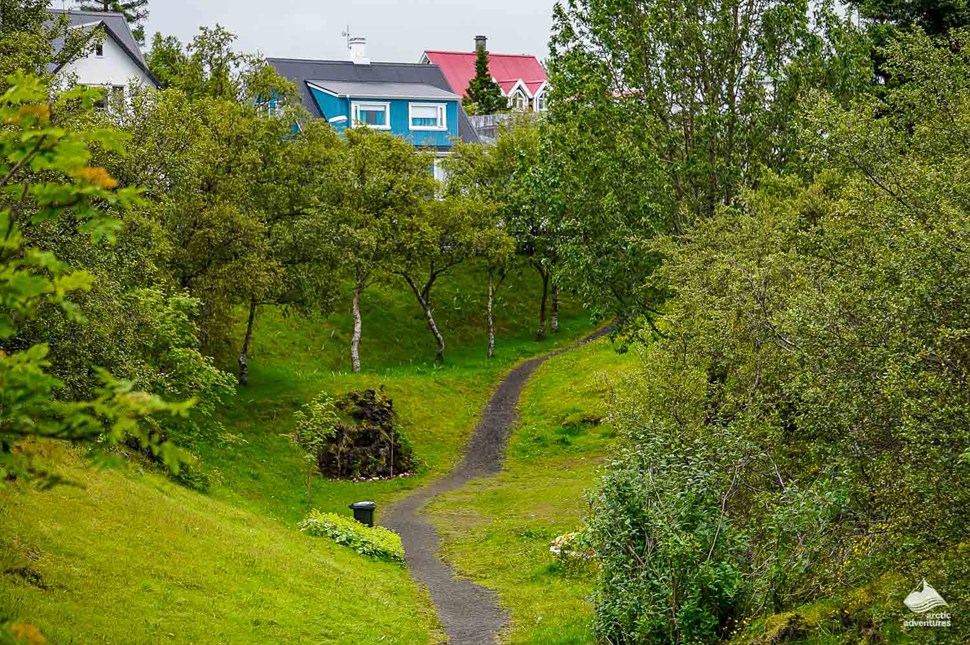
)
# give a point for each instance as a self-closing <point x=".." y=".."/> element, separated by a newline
<point x="130" y="557"/>
<point x="497" y="531"/>
<point x="293" y="359"/>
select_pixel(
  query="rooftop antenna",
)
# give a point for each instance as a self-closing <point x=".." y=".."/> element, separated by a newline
<point x="346" y="34"/>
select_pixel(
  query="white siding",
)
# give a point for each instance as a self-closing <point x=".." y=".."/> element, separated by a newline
<point x="115" y="67"/>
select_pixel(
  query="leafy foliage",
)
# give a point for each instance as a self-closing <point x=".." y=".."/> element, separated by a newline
<point x="662" y="113"/>
<point x="27" y="37"/>
<point x="801" y="424"/>
<point x="511" y="177"/>
<point x="372" y="541"/>
<point x="46" y="178"/>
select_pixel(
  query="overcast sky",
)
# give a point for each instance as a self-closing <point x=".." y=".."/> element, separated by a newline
<point x="396" y="30"/>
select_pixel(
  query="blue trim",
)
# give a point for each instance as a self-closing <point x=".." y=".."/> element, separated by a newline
<point x="333" y="107"/>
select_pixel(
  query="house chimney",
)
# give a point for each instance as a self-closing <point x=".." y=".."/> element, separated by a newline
<point x="480" y="42"/>
<point x="358" y="50"/>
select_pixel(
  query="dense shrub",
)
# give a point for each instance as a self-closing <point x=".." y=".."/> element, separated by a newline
<point x="373" y="541"/>
<point x="802" y="425"/>
<point x="354" y="436"/>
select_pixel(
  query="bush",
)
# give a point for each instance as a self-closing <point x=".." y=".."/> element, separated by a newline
<point x="799" y="428"/>
<point x="671" y="561"/>
<point x="373" y="541"/>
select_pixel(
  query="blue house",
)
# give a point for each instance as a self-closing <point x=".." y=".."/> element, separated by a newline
<point x="410" y="100"/>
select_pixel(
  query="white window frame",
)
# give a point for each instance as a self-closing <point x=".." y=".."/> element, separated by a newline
<point x="516" y="96"/>
<point x="355" y="107"/>
<point x="111" y="95"/>
<point x="442" y="117"/>
<point x="539" y="102"/>
<point x="272" y="107"/>
<point x="438" y="170"/>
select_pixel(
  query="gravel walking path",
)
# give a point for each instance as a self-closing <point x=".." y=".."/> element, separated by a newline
<point x="469" y="612"/>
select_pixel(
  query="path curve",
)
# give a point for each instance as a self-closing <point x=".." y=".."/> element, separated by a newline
<point x="469" y="612"/>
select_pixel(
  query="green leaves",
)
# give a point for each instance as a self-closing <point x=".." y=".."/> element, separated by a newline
<point x="662" y="112"/>
<point x="372" y="541"/>
<point x="46" y="178"/>
<point x="808" y="401"/>
<point x="316" y="423"/>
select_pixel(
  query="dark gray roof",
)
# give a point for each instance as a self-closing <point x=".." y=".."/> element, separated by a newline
<point x="384" y="90"/>
<point x="300" y="72"/>
<point x="114" y="25"/>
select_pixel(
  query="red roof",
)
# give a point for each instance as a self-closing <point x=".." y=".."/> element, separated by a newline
<point x="507" y="69"/>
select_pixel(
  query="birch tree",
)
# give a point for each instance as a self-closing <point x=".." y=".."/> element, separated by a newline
<point x="387" y="181"/>
<point x="510" y="175"/>
<point x="440" y="236"/>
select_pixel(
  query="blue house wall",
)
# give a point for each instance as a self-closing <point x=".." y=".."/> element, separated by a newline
<point x="400" y="123"/>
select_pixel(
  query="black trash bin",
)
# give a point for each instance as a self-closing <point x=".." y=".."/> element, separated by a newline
<point x="364" y="512"/>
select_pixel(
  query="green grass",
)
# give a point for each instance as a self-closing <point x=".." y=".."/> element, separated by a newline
<point x="293" y="359"/>
<point x="131" y="557"/>
<point x="497" y="531"/>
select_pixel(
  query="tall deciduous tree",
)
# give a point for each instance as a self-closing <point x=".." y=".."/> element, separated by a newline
<point x="207" y="156"/>
<point x="663" y="111"/>
<point x="496" y="248"/>
<point x="46" y="178"/>
<point x="484" y="96"/>
<point x="511" y="176"/>
<point x="210" y="67"/>
<point x="387" y="182"/>
<point x="812" y="387"/>
<point x="437" y="237"/>
<point x="295" y="190"/>
<point x="167" y="59"/>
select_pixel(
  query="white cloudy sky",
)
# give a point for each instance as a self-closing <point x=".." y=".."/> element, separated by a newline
<point x="396" y="30"/>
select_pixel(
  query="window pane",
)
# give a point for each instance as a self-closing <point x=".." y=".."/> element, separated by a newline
<point x="425" y="116"/>
<point x="372" y="116"/>
<point x="424" y="111"/>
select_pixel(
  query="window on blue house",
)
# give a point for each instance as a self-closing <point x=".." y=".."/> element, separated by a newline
<point x="271" y="107"/>
<point x="373" y="115"/>
<point x="427" y="116"/>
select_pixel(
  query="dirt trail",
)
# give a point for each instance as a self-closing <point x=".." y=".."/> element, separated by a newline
<point x="469" y="612"/>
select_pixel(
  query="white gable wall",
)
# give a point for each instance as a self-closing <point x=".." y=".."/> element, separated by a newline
<point x="114" y="68"/>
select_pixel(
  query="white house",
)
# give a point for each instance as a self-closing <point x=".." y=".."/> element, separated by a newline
<point x="115" y="63"/>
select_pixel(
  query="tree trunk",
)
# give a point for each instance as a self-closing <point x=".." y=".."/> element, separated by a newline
<point x="244" y="354"/>
<point x="541" y="334"/>
<point x="491" y="318"/>
<point x="424" y="299"/>
<point x="554" y="322"/>
<point x="355" y="339"/>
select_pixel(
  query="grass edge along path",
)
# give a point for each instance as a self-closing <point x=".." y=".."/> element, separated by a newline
<point x="497" y="530"/>
<point x="468" y="612"/>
